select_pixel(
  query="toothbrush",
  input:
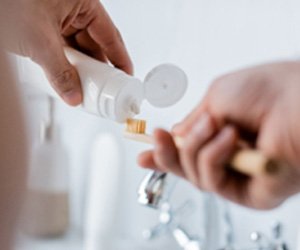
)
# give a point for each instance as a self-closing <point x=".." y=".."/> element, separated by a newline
<point x="250" y="162"/>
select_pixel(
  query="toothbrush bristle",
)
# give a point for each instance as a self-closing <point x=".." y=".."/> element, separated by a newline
<point x="136" y="126"/>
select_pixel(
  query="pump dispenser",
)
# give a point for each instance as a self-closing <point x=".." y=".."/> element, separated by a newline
<point x="111" y="93"/>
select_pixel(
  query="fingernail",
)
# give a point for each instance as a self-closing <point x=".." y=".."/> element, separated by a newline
<point x="72" y="97"/>
<point x="203" y="125"/>
<point x="176" y="128"/>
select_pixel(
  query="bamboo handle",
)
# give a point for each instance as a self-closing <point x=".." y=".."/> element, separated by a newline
<point x="253" y="163"/>
<point x="246" y="161"/>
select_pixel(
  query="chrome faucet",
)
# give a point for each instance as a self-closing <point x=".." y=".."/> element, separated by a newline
<point x="155" y="191"/>
<point x="185" y="241"/>
<point x="155" y="188"/>
<point x="151" y="189"/>
<point x="275" y="243"/>
<point x="169" y="222"/>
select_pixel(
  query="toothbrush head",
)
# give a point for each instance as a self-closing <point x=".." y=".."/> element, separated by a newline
<point x="136" y="131"/>
<point x="136" y="126"/>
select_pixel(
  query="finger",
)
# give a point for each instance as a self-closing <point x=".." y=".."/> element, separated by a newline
<point x="146" y="160"/>
<point x="61" y="74"/>
<point x="69" y="31"/>
<point x="182" y="128"/>
<point x="103" y="31"/>
<point x="212" y="161"/>
<point x="202" y="131"/>
<point x="165" y="153"/>
<point x="88" y="46"/>
<point x="79" y="20"/>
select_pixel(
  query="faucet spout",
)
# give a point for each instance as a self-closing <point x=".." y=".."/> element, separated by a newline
<point x="151" y="189"/>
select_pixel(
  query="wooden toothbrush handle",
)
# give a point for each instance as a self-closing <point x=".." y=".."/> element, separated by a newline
<point x="253" y="163"/>
<point x="246" y="161"/>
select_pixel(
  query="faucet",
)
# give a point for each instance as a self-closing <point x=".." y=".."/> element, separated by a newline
<point x="184" y="240"/>
<point x="155" y="188"/>
<point x="169" y="222"/>
<point x="155" y="191"/>
<point x="263" y="242"/>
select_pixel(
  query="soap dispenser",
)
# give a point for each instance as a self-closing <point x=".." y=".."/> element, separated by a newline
<point x="46" y="211"/>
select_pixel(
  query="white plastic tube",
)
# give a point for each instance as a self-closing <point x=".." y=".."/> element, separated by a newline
<point x="109" y="92"/>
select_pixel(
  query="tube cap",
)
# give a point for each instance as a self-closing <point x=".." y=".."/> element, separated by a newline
<point x="165" y="85"/>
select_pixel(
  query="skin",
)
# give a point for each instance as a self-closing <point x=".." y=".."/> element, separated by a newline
<point x="258" y="105"/>
<point x="39" y="29"/>
<point x="13" y="155"/>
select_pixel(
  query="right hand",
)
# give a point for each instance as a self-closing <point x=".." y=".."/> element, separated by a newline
<point x="40" y="29"/>
<point x="260" y="105"/>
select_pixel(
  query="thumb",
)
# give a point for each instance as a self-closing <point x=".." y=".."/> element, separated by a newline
<point x="61" y="74"/>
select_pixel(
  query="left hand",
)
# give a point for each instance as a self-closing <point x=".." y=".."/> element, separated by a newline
<point x="259" y="105"/>
<point x="40" y="30"/>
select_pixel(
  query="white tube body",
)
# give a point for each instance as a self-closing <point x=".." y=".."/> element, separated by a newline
<point x="111" y="93"/>
<point x="107" y="92"/>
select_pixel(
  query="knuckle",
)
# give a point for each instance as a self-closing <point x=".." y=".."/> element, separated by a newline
<point x="218" y="82"/>
<point x="221" y="83"/>
<point x="216" y="88"/>
<point x="82" y="20"/>
<point x="63" y="80"/>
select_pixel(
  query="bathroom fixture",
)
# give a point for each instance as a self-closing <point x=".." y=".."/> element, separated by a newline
<point x="274" y="243"/>
<point x="46" y="208"/>
<point x="229" y="230"/>
<point x="152" y="190"/>
<point x="170" y="222"/>
<point x="185" y="241"/>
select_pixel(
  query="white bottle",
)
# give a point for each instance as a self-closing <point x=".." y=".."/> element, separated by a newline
<point x="46" y="209"/>
<point x="105" y="192"/>
<point x="109" y="92"/>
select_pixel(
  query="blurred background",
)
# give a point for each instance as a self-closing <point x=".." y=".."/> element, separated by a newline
<point x="95" y="177"/>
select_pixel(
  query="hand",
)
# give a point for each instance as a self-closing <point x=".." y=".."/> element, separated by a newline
<point x="259" y="105"/>
<point x="40" y="29"/>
